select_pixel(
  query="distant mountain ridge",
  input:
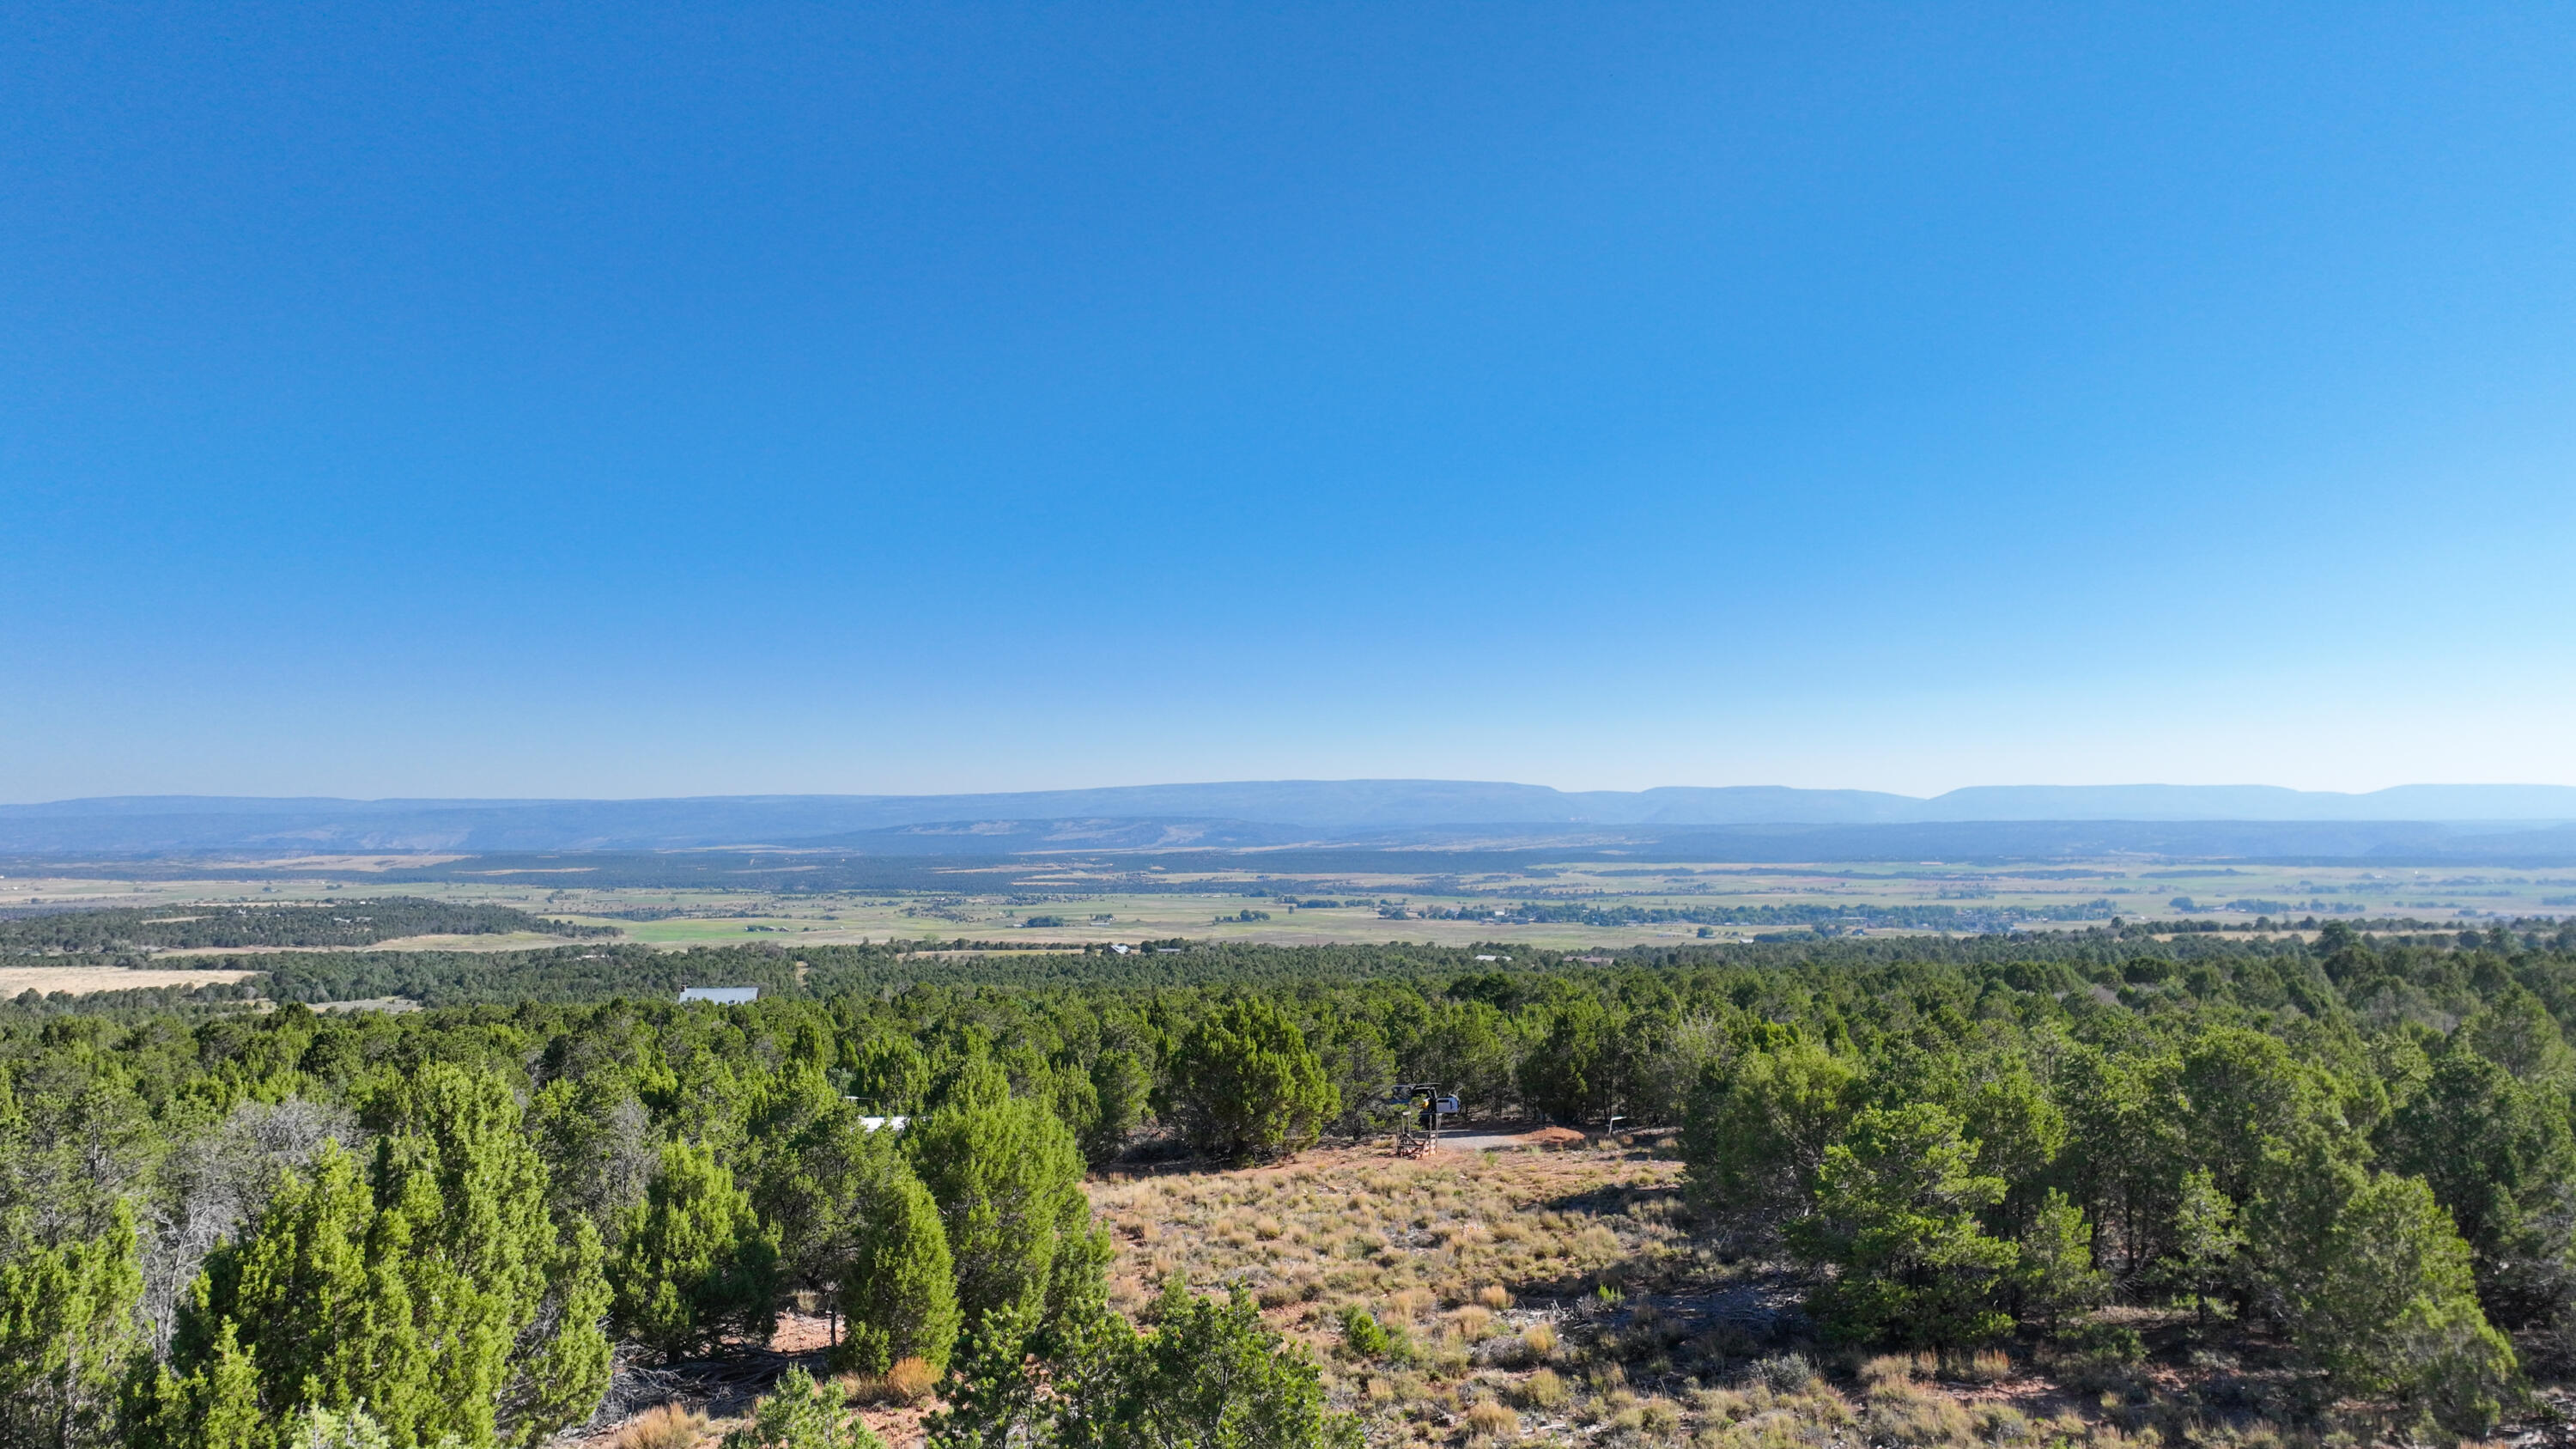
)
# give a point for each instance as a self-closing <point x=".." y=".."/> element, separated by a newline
<point x="1227" y="814"/>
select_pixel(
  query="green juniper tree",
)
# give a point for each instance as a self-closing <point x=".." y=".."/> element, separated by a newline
<point x="2057" y="1276"/>
<point x="695" y="1264"/>
<point x="1896" y="1229"/>
<point x="1244" y="1084"/>
<point x="1209" y="1373"/>
<point x="1758" y="1131"/>
<point x="70" y="1335"/>
<point x="2375" y="1287"/>
<point x="433" y="1287"/>
<point x="898" y="1289"/>
<point x="1008" y="1180"/>
<point x="2500" y="1160"/>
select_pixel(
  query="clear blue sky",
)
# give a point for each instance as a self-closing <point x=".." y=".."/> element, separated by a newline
<point x="615" y="400"/>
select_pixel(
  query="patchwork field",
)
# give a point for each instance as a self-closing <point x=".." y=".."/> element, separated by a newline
<point x="1573" y="906"/>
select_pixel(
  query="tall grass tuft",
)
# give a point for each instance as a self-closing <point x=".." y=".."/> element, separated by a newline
<point x="663" y="1426"/>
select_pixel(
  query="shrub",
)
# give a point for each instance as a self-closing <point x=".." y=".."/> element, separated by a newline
<point x="1538" y="1341"/>
<point x="1366" y="1337"/>
<point x="2094" y="1357"/>
<point x="315" y="1427"/>
<point x="803" y="1414"/>
<point x="1787" y="1373"/>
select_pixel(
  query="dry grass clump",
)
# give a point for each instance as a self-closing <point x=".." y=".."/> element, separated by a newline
<point x="1761" y="1417"/>
<point x="1492" y="1419"/>
<point x="1494" y="1296"/>
<point x="1723" y="1406"/>
<point x="1894" y="1411"/>
<point x="906" y="1381"/>
<point x="2000" y="1423"/>
<point x="1544" y="1389"/>
<point x="1985" y="1366"/>
<point x="1302" y="1286"/>
<point x="663" y="1426"/>
<point x="1886" y="1368"/>
<point x="1538" y="1341"/>
<point x="1471" y="1322"/>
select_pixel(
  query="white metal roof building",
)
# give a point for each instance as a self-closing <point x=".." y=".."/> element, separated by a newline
<point x="721" y="995"/>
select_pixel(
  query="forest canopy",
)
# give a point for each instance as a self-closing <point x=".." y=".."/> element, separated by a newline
<point x="220" y="1223"/>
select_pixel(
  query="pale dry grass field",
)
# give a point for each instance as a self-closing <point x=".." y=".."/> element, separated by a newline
<point x="1558" y="1298"/>
<point x="1483" y="1272"/>
<point x="80" y="979"/>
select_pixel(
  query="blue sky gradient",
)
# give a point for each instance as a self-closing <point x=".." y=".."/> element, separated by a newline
<point x="637" y="401"/>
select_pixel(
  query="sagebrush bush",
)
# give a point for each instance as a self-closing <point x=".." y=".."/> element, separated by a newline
<point x="1786" y="1373"/>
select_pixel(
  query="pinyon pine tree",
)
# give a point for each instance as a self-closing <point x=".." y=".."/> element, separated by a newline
<point x="1896" y="1220"/>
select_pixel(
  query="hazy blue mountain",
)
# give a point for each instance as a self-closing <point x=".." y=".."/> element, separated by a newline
<point x="2249" y="802"/>
<point x="1240" y="813"/>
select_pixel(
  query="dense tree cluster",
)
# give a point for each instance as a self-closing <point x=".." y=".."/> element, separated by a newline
<point x="348" y="921"/>
<point x="2366" y="1149"/>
